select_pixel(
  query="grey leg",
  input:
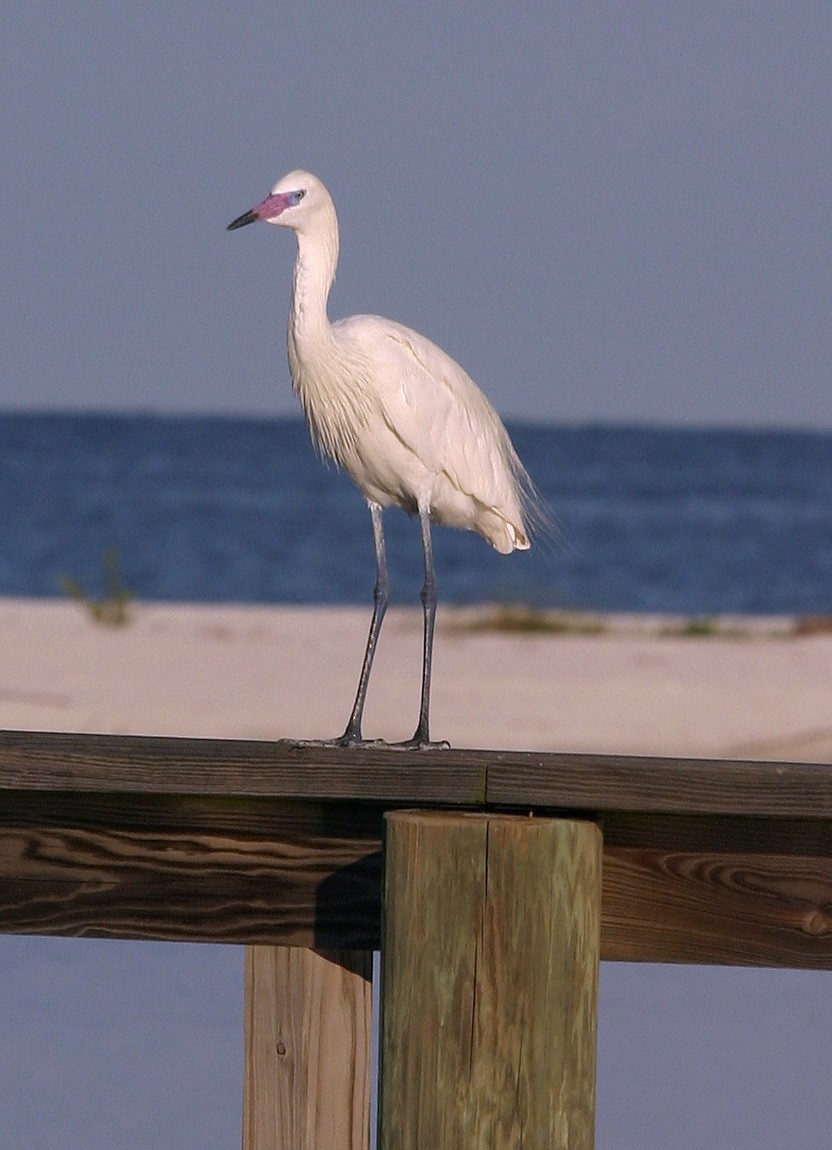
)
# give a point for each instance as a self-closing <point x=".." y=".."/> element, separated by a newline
<point x="381" y="595"/>
<point x="421" y="738"/>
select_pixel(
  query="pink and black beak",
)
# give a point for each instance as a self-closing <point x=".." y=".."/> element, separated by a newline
<point x="273" y="206"/>
<point x="241" y="221"/>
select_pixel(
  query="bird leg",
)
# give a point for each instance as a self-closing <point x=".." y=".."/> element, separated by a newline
<point x="421" y="738"/>
<point x="381" y="595"/>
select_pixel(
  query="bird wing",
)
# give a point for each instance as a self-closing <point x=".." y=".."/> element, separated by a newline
<point x="436" y="410"/>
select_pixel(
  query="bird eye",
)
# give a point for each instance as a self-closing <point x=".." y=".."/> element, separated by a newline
<point x="295" y="197"/>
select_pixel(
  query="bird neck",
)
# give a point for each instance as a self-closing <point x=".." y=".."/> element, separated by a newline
<point x="325" y="381"/>
<point x="314" y="275"/>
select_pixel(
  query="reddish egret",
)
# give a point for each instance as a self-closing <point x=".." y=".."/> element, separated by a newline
<point x="397" y="414"/>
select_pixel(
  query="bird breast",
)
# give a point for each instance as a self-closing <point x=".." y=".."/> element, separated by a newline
<point x="333" y="392"/>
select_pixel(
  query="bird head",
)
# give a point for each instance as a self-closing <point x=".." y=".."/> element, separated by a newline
<point x="294" y="202"/>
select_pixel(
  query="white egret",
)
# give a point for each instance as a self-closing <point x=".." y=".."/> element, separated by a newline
<point x="397" y="414"/>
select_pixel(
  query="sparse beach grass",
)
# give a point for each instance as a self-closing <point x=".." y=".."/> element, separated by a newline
<point x="520" y="618"/>
<point x="113" y="608"/>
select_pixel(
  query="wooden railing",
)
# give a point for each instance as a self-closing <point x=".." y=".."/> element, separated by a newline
<point x="280" y="846"/>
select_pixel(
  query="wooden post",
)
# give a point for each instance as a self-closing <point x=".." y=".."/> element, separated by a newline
<point x="307" y="1049"/>
<point x="489" y="982"/>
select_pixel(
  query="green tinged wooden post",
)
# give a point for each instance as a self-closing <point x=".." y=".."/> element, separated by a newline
<point x="307" y="1049"/>
<point x="489" y="982"/>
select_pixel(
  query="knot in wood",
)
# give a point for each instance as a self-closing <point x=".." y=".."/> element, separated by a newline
<point x="817" y="922"/>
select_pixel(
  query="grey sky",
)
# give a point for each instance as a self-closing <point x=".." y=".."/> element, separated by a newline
<point x="604" y="211"/>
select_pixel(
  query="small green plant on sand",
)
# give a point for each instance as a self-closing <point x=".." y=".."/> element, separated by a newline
<point x="699" y="627"/>
<point x="520" y="618"/>
<point x="114" y="607"/>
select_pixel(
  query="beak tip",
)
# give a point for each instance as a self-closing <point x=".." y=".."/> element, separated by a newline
<point x="241" y="221"/>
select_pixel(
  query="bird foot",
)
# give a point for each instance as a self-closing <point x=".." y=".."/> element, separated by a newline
<point x="306" y="742"/>
<point x="347" y="740"/>
<point x="417" y="744"/>
<point x="344" y="740"/>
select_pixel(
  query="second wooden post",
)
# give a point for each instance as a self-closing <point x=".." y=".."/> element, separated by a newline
<point x="307" y="1049"/>
<point x="489" y="982"/>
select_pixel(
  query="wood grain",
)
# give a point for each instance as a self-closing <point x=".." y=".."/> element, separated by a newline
<point x="307" y="1049"/>
<point x="727" y="908"/>
<point x="489" y="982"/>
<point x="680" y="786"/>
<point x="185" y="886"/>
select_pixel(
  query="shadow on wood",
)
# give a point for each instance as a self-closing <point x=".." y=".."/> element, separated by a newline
<point x="351" y="893"/>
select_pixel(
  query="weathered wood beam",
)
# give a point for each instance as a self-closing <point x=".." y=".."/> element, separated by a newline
<point x="242" y="768"/>
<point x="182" y="885"/>
<point x="662" y="785"/>
<point x="677" y="903"/>
<point x="605" y="783"/>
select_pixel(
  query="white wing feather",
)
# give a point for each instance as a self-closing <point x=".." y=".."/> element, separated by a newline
<point x="461" y="454"/>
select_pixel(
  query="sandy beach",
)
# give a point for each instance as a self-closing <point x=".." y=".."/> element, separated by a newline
<point x="290" y="672"/>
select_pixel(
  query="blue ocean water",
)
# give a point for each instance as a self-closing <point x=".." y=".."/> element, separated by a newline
<point x="221" y="509"/>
